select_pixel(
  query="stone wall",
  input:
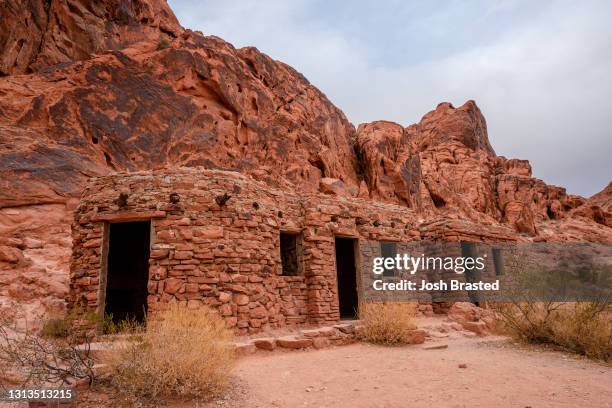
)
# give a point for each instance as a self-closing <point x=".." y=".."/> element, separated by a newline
<point x="216" y="237"/>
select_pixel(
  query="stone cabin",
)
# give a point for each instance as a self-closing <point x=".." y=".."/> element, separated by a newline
<point x="263" y="257"/>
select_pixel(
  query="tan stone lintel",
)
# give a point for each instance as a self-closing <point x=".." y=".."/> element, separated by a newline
<point x="128" y="216"/>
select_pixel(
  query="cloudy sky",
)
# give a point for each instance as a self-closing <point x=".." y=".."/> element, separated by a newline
<point x="541" y="71"/>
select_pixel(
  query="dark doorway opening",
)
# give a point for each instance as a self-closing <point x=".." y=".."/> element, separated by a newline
<point x="289" y="254"/>
<point x="128" y="271"/>
<point x="468" y="250"/>
<point x="347" y="277"/>
<point x="388" y="250"/>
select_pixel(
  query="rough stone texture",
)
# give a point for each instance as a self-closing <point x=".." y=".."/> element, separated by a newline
<point x="472" y="317"/>
<point x="228" y="256"/>
<point x="293" y="342"/>
<point x="265" y="343"/>
<point x="318" y="338"/>
<point x="230" y="253"/>
<point x="245" y="348"/>
<point x="38" y="33"/>
<point x="444" y="165"/>
<point x="598" y="207"/>
<point x="90" y="88"/>
<point x="199" y="102"/>
<point x="417" y="336"/>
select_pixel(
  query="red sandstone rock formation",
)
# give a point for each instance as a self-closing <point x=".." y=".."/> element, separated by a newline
<point x="445" y="166"/>
<point x="198" y="102"/>
<point x="38" y="33"/>
<point x="88" y="88"/>
<point x="598" y="207"/>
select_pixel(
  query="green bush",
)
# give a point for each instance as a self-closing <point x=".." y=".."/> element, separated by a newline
<point x="163" y="44"/>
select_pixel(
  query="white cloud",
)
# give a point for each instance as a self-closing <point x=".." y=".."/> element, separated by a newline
<point x="540" y="76"/>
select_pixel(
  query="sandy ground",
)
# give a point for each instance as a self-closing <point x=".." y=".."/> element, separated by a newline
<point x="498" y="374"/>
<point x="470" y="372"/>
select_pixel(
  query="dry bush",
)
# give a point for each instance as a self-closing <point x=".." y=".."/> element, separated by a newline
<point x="56" y="328"/>
<point x="581" y="327"/>
<point x="182" y="353"/>
<point x="30" y="360"/>
<point x="71" y="326"/>
<point x="387" y="322"/>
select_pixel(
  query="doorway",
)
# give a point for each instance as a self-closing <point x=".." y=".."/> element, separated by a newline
<point x="128" y="270"/>
<point x="347" y="277"/>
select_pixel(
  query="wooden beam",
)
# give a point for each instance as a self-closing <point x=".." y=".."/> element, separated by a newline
<point x="128" y="216"/>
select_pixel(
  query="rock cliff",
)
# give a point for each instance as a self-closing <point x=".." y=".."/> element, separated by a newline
<point x="445" y="166"/>
<point x="39" y="33"/>
<point x="88" y="88"/>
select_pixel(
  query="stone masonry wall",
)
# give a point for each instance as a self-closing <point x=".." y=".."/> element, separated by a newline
<point x="225" y="253"/>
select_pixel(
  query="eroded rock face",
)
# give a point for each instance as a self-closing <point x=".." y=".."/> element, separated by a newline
<point x="598" y="207"/>
<point x="198" y="102"/>
<point x="35" y="247"/>
<point x="38" y="33"/>
<point x="444" y="165"/>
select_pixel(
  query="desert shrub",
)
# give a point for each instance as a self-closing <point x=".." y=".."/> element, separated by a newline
<point x="62" y="358"/>
<point x="581" y="327"/>
<point x="126" y="326"/>
<point x="72" y="326"/>
<point x="182" y="353"/>
<point x="163" y="44"/>
<point x="387" y="322"/>
<point x="107" y="324"/>
<point x="56" y="328"/>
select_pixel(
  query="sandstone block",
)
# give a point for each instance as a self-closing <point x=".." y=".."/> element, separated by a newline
<point x="172" y="285"/>
<point x="159" y="272"/>
<point x="258" y="312"/>
<point x="291" y="342"/>
<point x="463" y="312"/>
<point x="245" y="348"/>
<point x="326" y="331"/>
<point x="159" y="253"/>
<point x="416" y="336"/>
<point x="191" y="288"/>
<point x="241" y="299"/>
<point x="267" y="343"/>
<point x="310" y="333"/>
<point x="480" y="327"/>
<point x="225" y="309"/>
<point x="183" y="254"/>
<point x="347" y="328"/>
<point x="92" y="243"/>
<point x="210" y="233"/>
